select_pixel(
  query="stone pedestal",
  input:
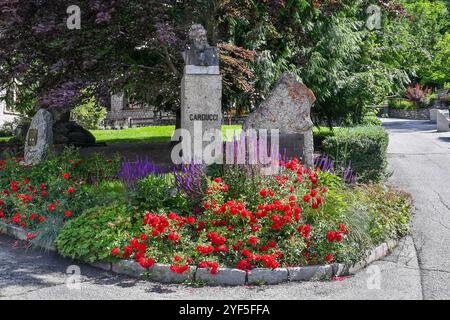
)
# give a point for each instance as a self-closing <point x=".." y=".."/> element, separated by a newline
<point x="433" y="115"/>
<point x="201" y="107"/>
<point x="118" y="102"/>
<point x="443" y="123"/>
<point x="39" y="137"/>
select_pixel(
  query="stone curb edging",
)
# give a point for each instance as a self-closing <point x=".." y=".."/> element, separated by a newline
<point x="19" y="233"/>
<point x="227" y="276"/>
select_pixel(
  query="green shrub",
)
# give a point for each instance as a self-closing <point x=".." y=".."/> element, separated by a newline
<point x="320" y="134"/>
<point x="402" y="104"/>
<point x="364" y="147"/>
<point x="91" y="236"/>
<point x="388" y="210"/>
<point x="89" y="115"/>
<point x="371" y="119"/>
<point x="159" y="192"/>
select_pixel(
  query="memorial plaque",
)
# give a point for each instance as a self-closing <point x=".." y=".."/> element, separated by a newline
<point x="32" y="137"/>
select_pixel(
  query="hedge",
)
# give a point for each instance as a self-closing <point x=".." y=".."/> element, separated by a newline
<point x="365" y="147"/>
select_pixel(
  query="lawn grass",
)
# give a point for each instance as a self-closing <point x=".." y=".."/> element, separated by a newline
<point x="144" y="134"/>
<point x="156" y="134"/>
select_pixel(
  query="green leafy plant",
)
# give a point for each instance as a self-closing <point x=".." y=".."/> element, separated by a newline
<point x="91" y="236"/>
<point x="364" y="147"/>
<point x="159" y="192"/>
<point x="89" y="114"/>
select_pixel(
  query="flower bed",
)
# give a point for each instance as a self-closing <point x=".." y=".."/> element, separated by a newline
<point x="238" y="224"/>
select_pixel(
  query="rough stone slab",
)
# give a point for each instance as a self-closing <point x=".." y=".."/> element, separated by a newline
<point x="357" y="267"/>
<point x="229" y="277"/>
<point x="3" y="227"/>
<point x="310" y="273"/>
<point x="107" y="266"/>
<point x="288" y="109"/>
<point x="129" y="268"/>
<point x="442" y="118"/>
<point x="340" y="269"/>
<point x="391" y="244"/>
<point x="17" y="232"/>
<point x="162" y="273"/>
<point x="433" y="115"/>
<point x="268" y="276"/>
<point x="39" y="137"/>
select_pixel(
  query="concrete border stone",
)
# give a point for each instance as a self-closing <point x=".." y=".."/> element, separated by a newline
<point x="227" y="276"/>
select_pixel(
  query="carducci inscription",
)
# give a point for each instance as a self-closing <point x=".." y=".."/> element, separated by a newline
<point x="204" y="117"/>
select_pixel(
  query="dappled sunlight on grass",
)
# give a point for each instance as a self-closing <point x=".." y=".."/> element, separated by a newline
<point x="144" y="134"/>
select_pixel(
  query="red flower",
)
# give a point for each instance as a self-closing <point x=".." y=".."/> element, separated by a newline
<point x="33" y="216"/>
<point x="30" y="236"/>
<point x="70" y="190"/>
<point x="177" y="258"/>
<point x="43" y="186"/>
<point x="307" y="198"/>
<point x="191" y="220"/>
<point x="218" y="180"/>
<point x="173" y="237"/>
<point x="144" y="237"/>
<point x="272" y="244"/>
<point x="263" y="193"/>
<point x="52" y="207"/>
<point x="331" y="236"/>
<point x="67" y="214"/>
<point x="253" y="240"/>
<point x="115" y="251"/>
<point x="66" y="175"/>
<point x="134" y="242"/>
<point x="41" y="219"/>
<point x="329" y="258"/>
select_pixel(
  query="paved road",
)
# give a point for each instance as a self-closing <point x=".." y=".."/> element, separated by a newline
<point x="419" y="158"/>
<point x="32" y="274"/>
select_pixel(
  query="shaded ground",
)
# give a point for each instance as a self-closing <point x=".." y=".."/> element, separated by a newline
<point x="32" y="274"/>
<point x="419" y="158"/>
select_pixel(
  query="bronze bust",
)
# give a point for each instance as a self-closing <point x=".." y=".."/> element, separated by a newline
<point x="200" y="53"/>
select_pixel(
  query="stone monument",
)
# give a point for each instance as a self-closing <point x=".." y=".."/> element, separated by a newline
<point x="443" y="122"/>
<point x="288" y="109"/>
<point x="39" y="137"/>
<point x="118" y="102"/>
<point x="201" y="89"/>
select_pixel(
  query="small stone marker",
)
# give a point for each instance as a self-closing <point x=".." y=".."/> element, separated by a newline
<point x="201" y="91"/>
<point x="433" y="115"/>
<point x="288" y="109"/>
<point x="118" y="102"/>
<point x="39" y="137"/>
<point x="443" y="122"/>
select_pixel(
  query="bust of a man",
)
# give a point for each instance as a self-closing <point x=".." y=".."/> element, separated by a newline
<point x="200" y="52"/>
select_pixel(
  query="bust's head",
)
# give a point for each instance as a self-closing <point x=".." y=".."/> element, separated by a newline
<point x="197" y="35"/>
